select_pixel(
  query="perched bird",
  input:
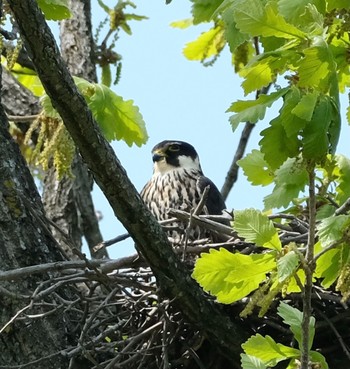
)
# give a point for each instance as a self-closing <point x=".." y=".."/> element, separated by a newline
<point x="178" y="182"/>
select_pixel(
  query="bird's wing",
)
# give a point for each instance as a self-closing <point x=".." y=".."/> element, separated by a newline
<point x="215" y="202"/>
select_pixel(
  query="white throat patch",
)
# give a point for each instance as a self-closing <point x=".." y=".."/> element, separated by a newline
<point x="186" y="162"/>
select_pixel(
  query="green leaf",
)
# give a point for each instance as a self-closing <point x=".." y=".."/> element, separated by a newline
<point x="104" y="6"/>
<point x="295" y="11"/>
<point x="332" y="229"/>
<point x="106" y="75"/>
<point x="305" y="108"/>
<point x="251" y="362"/>
<point x="290" y="179"/>
<point x="28" y="78"/>
<point x="261" y="72"/>
<point x="208" y="44"/>
<point x="55" y="9"/>
<point x="203" y="10"/>
<point x="329" y="265"/>
<point x="233" y="35"/>
<point x="287" y="265"/>
<point x="182" y="24"/>
<point x="254" y="110"/>
<point x="293" y="317"/>
<point x="268" y="351"/>
<point x="230" y="277"/>
<point x="251" y="17"/>
<point x="256" y="227"/>
<point x="343" y="188"/>
<point x="118" y="119"/>
<point x="317" y="357"/>
<point x="256" y="169"/>
<point x="316" y="66"/>
<point x="276" y="146"/>
<point x="316" y="135"/>
<point x="337" y="4"/>
<point x="293" y="286"/>
<point x="292" y="123"/>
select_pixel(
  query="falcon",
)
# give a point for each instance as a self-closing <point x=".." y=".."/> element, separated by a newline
<point x="178" y="183"/>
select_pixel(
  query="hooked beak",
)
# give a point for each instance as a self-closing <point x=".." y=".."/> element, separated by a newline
<point x="158" y="156"/>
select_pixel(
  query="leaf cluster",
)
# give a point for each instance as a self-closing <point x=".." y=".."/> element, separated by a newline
<point x="117" y="118"/>
<point x="106" y="56"/>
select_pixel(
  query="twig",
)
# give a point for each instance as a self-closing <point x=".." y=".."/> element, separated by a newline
<point x="338" y="336"/>
<point x="19" y="312"/>
<point x="344" y="208"/>
<point x="232" y="173"/>
<point x="124" y="236"/>
<point x="309" y="269"/>
<point x="196" y="211"/>
<point x="21" y="118"/>
<point x="203" y="222"/>
<point x="330" y="247"/>
<point x="106" y="266"/>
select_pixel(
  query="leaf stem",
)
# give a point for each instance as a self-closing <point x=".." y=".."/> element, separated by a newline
<point x="309" y="270"/>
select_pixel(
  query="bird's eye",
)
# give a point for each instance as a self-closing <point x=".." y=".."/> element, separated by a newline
<point x="174" y="148"/>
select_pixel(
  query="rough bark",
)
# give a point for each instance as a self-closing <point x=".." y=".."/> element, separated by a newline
<point x="24" y="240"/>
<point x="172" y="276"/>
<point x="68" y="202"/>
<point x="16" y="99"/>
<point x="77" y="45"/>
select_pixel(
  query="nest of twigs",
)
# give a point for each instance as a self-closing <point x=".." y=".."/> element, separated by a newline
<point x="123" y="321"/>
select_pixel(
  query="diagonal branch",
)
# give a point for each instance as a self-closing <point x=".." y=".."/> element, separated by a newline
<point x="171" y="274"/>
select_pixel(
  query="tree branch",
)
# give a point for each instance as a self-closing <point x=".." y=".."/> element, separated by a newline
<point x="171" y="274"/>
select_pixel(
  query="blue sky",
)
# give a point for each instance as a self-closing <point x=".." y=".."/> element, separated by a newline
<point x="179" y="99"/>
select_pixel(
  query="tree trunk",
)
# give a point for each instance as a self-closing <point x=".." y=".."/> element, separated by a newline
<point x="25" y="240"/>
<point x="68" y="202"/>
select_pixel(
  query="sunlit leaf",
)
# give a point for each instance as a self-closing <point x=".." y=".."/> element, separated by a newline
<point x="203" y="10"/>
<point x="332" y="229"/>
<point x="29" y="79"/>
<point x="251" y="17"/>
<point x="254" y="110"/>
<point x="293" y="285"/>
<point x="276" y="146"/>
<point x="208" y="44"/>
<point x="261" y="73"/>
<point x="55" y="9"/>
<point x="117" y="118"/>
<point x="294" y="317"/>
<point x="256" y="227"/>
<point x="256" y="169"/>
<point x="268" y="351"/>
<point x="230" y="277"/>
<point x="290" y="179"/>
<point x="316" y="66"/>
<point x="331" y="263"/>
<point x="343" y="188"/>
<point x="305" y="108"/>
<point x="287" y="265"/>
<point x="251" y="362"/>
<point x="182" y="24"/>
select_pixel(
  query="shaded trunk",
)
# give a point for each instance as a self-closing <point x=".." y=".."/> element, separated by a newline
<point x="25" y="240"/>
<point x="68" y="202"/>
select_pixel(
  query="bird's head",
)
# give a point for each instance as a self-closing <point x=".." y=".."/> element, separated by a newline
<point x="172" y="155"/>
